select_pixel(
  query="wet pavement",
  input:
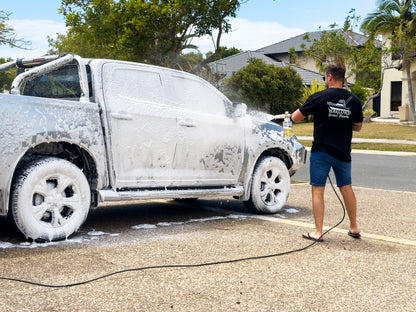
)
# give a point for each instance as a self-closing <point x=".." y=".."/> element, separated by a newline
<point x="375" y="273"/>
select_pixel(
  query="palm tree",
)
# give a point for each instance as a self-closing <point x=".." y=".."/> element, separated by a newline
<point x="398" y="18"/>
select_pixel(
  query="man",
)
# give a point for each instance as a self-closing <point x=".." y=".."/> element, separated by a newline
<point x="336" y="113"/>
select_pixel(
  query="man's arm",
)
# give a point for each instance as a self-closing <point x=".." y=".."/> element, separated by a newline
<point x="297" y="116"/>
<point x="356" y="126"/>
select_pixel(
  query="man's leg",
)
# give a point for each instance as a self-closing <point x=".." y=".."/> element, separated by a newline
<point x="351" y="206"/>
<point x="320" y="165"/>
<point x="318" y="206"/>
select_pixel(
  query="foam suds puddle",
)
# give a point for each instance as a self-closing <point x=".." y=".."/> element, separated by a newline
<point x="95" y="235"/>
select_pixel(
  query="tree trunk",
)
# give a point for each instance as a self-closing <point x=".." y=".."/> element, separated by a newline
<point x="217" y="52"/>
<point x="410" y="92"/>
<point x="379" y="91"/>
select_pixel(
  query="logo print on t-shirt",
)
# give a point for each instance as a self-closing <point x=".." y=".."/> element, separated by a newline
<point x="340" y="109"/>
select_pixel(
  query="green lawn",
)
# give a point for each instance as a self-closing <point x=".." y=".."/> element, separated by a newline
<point x="372" y="130"/>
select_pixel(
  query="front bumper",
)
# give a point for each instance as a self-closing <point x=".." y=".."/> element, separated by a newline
<point x="299" y="157"/>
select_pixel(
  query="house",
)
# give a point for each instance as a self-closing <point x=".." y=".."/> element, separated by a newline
<point x="394" y="99"/>
<point x="227" y="66"/>
<point x="278" y="55"/>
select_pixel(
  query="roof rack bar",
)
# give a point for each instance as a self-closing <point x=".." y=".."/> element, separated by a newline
<point x="30" y="62"/>
<point x="7" y="66"/>
<point x="25" y="63"/>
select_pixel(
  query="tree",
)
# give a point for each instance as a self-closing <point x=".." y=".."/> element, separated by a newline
<point x="187" y="61"/>
<point x="224" y="52"/>
<point x="8" y="37"/>
<point x="340" y="45"/>
<point x="397" y="18"/>
<point x="331" y="47"/>
<point x="7" y="34"/>
<point x="6" y="77"/>
<point x="265" y="87"/>
<point x="150" y="31"/>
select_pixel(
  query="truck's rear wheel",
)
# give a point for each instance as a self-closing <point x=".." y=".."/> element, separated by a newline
<point x="50" y="199"/>
<point x="270" y="186"/>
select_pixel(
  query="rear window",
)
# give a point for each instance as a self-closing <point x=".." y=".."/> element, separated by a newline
<point x="62" y="83"/>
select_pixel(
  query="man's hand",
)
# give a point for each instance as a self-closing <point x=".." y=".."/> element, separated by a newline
<point x="356" y="126"/>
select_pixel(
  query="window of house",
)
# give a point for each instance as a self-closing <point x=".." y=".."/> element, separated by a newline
<point x="396" y="95"/>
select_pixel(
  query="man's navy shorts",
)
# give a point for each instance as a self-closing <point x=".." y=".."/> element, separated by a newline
<point x="321" y="164"/>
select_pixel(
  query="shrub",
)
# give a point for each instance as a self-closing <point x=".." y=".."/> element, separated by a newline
<point x="265" y="87"/>
<point x="307" y="91"/>
<point x="361" y="92"/>
<point x="367" y="114"/>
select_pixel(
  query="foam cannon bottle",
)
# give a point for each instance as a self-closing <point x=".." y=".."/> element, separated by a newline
<point x="287" y="126"/>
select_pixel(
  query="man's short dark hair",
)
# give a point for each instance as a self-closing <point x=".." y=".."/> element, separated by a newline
<point x="337" y="71"/>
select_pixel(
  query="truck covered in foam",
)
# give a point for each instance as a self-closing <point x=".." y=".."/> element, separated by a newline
<point x="79" y="133"/>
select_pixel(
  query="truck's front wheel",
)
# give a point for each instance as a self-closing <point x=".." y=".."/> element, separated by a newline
<point x="270" y="186"/>
<point x="50" y="199"/>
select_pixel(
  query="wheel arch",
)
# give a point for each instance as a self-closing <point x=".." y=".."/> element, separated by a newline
<point x="276" y="152"/>
<point x="73" y="153"/>
<point x="280" y="153"/>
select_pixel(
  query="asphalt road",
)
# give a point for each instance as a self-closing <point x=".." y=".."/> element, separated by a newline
<point x="375" y="170"/>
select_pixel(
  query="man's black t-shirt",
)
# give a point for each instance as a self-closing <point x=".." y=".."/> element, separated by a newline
<point x="334" y="111"/>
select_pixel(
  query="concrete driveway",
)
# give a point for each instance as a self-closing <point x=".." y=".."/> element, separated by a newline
<point x="376" y="273"/>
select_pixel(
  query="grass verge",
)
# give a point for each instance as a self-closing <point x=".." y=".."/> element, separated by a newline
<point x="372" y="130"/>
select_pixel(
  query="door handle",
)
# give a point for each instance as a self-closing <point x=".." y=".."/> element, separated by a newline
<point x="187" y="123"/>
<point x="121" y="116"/>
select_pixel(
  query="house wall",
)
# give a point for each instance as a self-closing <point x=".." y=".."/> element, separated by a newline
<point x="308" y="63"/>
<point x="305" y="62"/>
<point x="391" y="74"/>
<point x="405" y="113"/>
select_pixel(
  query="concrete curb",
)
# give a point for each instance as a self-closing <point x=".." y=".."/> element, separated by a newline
<point x="361" y="140"/>
<point x="388" y="153"/>
<point x="364" y="140"/>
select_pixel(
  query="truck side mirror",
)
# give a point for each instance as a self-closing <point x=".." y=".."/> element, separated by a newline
<point x="240" y="110"/>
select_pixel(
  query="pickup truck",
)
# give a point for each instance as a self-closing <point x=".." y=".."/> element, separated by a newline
<point x="79" y="133"/>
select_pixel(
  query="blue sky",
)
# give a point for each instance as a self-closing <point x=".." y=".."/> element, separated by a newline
<point x="259" y="23"/>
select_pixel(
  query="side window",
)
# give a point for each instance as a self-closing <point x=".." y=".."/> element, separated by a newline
<point x="131" y="84"/>
<point x="194" y="95"/>
<point x="61" y="83"/>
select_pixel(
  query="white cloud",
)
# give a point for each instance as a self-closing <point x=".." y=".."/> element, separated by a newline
<point x="35" y="31"/>
<point x="250" y="35"/>
<point x="245" y="35"/>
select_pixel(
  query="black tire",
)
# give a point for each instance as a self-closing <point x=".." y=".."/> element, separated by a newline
<point x="270" y="186"/>
<point x="50" y="199"/>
